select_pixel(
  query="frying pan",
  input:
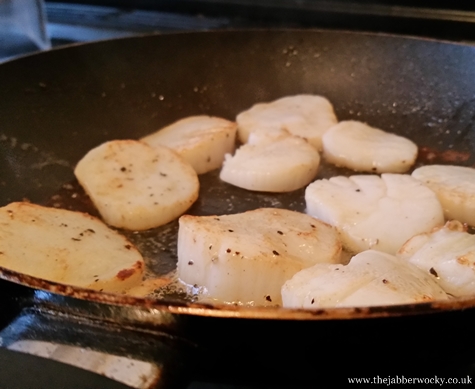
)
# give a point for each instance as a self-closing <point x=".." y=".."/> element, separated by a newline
<point x="57" y="105"/>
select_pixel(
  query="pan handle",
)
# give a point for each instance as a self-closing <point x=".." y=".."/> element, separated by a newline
<point x="137" y="357"/>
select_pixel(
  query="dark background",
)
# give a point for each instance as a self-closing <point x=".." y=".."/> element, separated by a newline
<point x="453" y="20"/>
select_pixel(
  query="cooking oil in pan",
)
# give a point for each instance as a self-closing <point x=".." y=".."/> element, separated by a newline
<point x="158" y="246"/>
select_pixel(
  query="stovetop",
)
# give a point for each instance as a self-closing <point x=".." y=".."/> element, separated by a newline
<point x="72" y="21"/>
<point x="35" y="337"/>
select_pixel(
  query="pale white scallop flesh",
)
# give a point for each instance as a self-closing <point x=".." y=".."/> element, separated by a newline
<point x="455" y="188"/>
<point x="245" y="258"/>
<point x="372" y="278"/>
<point x="360" y="147"/>
<point x="135" y="186"/>
<point x="67" y="247"/>
<point x="201" y="140"/>
<point x="272" y="163"/>
<point x="307" y="116"/>
<point x="447" y="254"/>
<point x="373" y="212"/>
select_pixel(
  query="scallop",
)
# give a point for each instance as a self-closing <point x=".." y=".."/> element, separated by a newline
<point x="372" y="278"/>
<point x="454" y="187"/>
<point x="360" y="147"/>
<point x="201" y="140"/>
<point x="307" y="116"/>
<point x="67" y="247"/>
<point x="447" y="254"/>
<point x="276" y="162"/>
<point x="245" y="258"/>
<point x="135" y="186"/>
<point x="373" y="212"/>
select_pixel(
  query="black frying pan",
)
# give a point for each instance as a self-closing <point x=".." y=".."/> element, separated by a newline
<point x="57" y="105"/>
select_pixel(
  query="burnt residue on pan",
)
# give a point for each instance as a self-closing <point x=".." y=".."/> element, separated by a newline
<point x="458" y="143"/>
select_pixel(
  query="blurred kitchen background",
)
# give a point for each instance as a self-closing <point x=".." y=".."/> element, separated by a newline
<point x="73" y="21"/>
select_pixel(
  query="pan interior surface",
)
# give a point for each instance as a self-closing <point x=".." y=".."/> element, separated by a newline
<point x="58" y="105"/>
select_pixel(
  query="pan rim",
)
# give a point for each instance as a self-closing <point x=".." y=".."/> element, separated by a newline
<point x="229" y="311"/>
<point x="220" y="310"/>
<point x="274" y="30"/>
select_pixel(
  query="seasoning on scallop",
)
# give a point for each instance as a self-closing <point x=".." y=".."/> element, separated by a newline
<point x="135" y="186"/>
<point x="358" y="146"/>
<point x="245" y="258"/>
<point x="448" y="254"/>
<point x="202" y="140"/>
<point x="372" y="278"/>
<point x="67" y="247"/>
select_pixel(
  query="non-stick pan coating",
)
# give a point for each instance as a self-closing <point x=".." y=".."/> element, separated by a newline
<point x="57" y="105"/>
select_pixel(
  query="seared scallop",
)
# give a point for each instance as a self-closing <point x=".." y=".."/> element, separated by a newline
<point x="360" y="147"/>
<point x="201" y="140"/>
<point x="272" y="162"/>
<point x="135" y="186"/>
<point x="306" y="116"/>
<point x="373" y="212"/>
<point x="447" y="254"/>
<point x="454" y="187"/>
<point x="245" y="258"/>
<point x="67" y="247"/>
<point x="371" y="278"/>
